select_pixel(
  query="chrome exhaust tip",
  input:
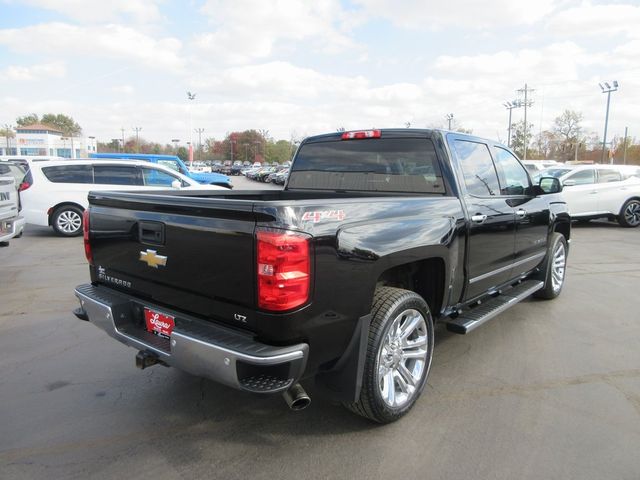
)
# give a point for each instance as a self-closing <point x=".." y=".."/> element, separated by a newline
<point x="297" y="398"/>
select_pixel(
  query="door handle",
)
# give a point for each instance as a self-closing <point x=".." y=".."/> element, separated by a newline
<point x="478" y="218"/>
<point x="521" y="213"/>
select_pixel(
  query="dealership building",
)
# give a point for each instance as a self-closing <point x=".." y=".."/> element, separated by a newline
<point x="40" y="139"/>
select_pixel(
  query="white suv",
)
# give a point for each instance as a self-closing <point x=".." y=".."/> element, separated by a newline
<point x="55" y="193"/>
<point x="601" y="191"/>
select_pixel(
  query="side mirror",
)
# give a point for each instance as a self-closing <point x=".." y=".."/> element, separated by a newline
<point x="550" y="185"/>
<point x="177" y="184"/>
<point x="569" y="183"/>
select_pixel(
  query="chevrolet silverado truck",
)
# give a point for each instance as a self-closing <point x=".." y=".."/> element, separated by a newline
<point x="338" y="278"/>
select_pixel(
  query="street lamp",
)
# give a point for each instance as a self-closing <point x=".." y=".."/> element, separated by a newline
<point x="449" y="118"/>
<point x="606" y="88"/>
<point x="191" y="97"/>
<point x="510" y="106"/>
<point x="175" y="142"/>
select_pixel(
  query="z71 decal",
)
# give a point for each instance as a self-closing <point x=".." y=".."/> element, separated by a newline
<point x="315" y="217"/>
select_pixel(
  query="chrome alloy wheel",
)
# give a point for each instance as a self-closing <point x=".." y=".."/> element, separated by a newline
<point x="632" y="214"/>
<point x="69" y="221"/>
<point x="402" y="358"/>
<point x="558" y="265"/>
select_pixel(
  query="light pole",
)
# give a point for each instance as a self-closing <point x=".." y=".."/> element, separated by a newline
<point x="606" y="88"/>
<point x="137" y="130"/>
<point x="175" y="144"/>
<point x="199" y="132"/>
<point x="449" y="119"/>
<point x="509" y="106"/>
<point x="7" y="130"/>
<point x="191" y="97"/>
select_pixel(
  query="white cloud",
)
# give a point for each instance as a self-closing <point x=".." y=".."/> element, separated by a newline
<point x="34" y="72"/>
<point x="597" y="20"/>
<point x="245" y="29"/>
<point x="111" y="41"/>
<point x="123" y="89"/>
<point x="102" y="11"/>
<point x="458" y="13"/>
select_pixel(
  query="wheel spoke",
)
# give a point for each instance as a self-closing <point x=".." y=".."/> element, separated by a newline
<point x="419" y="354"/>
<point x="406" y="375"/>
<point x="410" y="325"/>
<point x="391" y="387"/>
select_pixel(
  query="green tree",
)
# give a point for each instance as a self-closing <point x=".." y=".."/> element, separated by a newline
<point x="568" y="132"/>
<point x="279" y="151"/>
<point x="183" y="153"/>
<point x="27" y="120"/>
<point x="518" y="139"/>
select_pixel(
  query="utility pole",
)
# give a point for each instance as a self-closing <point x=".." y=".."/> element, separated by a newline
<point x="199" y="132"/>
<point x="191" y="97"/>
<point x="137" y="130"/>
<point x="624" y="152"/>
<point x="526" y="103"/>
<point x="606" y="88"/>
<point x="122" y="130"/>
<point x="449" y="118"/>
<point x="509" y="106"/>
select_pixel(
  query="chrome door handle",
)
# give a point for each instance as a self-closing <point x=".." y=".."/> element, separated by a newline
<point x="478" y="218"/>
<point x="521" y="213"/>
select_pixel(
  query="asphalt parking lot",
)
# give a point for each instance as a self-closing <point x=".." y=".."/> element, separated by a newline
<point x="547" y="390"/>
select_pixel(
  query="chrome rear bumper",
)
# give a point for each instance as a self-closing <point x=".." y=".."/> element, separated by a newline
<point x="199" y="347"/>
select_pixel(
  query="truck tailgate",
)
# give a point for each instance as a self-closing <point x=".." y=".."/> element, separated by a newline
<point x="154" y="244"/>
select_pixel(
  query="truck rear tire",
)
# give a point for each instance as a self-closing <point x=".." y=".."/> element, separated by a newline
<point x="555" y="266"/>
<point x="398" y="357"/>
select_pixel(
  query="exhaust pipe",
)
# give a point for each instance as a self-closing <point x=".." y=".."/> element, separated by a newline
<point x="297" y="398"/>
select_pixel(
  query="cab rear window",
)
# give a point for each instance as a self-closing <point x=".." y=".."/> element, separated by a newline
<point x="407" y="165"/>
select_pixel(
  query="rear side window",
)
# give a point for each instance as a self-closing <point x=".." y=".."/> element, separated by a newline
<point x="606" y="176"/>
<point x="583" y="177"/>
<point x="116" y="175"/>
<point x="407" y="165"/>
<point x="480" y="175"/>
<point x="69" y="174"/>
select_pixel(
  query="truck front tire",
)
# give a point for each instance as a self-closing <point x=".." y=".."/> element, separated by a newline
<point x="555" y="266"/>
<point x="398" y="357"/>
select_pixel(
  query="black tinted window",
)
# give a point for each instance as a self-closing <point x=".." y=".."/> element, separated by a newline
<point x="69" y="174"/>
<point x="513" y="177"/>
<point x="116" y="175"/>
<point x="378" y="165"/>
<point x="479" y="172"/>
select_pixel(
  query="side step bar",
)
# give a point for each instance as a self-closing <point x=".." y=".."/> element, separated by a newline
<point x="484" y="312"/>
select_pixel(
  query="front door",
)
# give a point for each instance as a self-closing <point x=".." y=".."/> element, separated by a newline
<point x="491" y="239"/>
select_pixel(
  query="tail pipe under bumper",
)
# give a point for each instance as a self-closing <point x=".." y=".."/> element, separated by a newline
<point x="196" y="346"/>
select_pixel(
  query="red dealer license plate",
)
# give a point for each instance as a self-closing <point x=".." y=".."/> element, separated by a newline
<point x="159" y="323"/>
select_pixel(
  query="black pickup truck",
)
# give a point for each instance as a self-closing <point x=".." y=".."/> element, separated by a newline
<point x="337" y="278"/>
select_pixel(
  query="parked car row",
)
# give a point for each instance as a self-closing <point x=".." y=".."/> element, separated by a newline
<point x="269" y="174"/>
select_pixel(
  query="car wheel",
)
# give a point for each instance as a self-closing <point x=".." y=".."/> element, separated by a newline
<point x="555" y="268"/>
<point x="67" y="221"/>
<point x="398" y="357"/>
<point x="630" y="214"/>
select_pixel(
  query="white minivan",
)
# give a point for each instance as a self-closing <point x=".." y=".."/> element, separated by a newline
<point x="55" y="192"/>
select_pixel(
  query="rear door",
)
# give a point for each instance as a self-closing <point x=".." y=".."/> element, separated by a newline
<point x="491" y="244"/>
<point x="612" y="191"/>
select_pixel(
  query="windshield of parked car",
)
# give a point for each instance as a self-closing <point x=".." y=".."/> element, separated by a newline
<point x="380" y="165"/>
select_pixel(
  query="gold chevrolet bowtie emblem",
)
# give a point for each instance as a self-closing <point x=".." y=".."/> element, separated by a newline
<point x="151" y="258"/>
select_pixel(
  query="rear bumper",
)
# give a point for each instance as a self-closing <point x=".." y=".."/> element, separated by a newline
<point x="10" y="227"/>
<point x="196" y="346"/>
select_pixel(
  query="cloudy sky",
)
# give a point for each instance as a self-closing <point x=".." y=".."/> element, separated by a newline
<point x="298" y="68"/>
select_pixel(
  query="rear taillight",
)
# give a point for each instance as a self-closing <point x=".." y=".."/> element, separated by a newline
<point x="361" y="134"/>
<point x="23" y="186"/>
<point x="85" y="233"/>
<point x="284" y="269"/>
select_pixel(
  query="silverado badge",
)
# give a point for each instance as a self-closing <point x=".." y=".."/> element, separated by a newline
<point x="151" y="258"/>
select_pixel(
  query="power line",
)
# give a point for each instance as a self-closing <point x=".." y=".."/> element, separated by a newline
<point x="526" y="103"/>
